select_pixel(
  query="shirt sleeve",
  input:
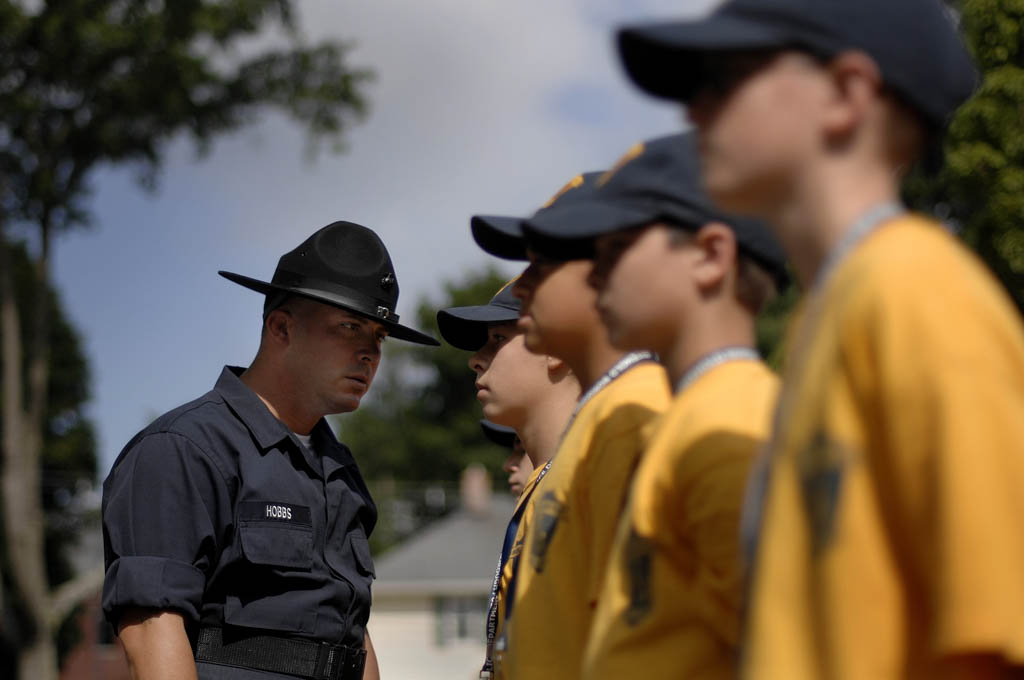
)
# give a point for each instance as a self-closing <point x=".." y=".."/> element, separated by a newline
<point x="162" y="504"/>
<point x="951" y="376"/>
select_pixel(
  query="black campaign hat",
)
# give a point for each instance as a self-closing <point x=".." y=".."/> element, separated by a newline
<point x="914" y="43"/>
<point x="498" y="434"/>
<point x="503" y="236"/>
<point x="466" y="327"/>
<point x="345" y="265"/>
<point x="656" y="181"/>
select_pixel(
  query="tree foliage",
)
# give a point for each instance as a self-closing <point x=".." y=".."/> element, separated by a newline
<point x="981" y="186"/>
<point x="91" y="81"/>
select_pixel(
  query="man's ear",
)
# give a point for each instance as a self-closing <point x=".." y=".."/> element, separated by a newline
<point x="715" y="246"/>
<point x="278" y="326"/>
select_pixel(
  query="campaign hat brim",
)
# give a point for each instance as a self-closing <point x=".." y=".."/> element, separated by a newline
<point x="466" y="327"/>
<point x="395" y="330"/>
<point x="662" y="58"/>
<point x="500" y="236"/>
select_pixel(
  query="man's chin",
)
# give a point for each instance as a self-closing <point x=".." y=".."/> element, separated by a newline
<point x="346" y="404"/>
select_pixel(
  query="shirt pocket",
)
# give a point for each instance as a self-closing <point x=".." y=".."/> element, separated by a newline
<point x="276" y="545"/>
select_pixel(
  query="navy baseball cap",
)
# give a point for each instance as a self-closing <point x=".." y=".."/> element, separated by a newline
<point x="466" y="327"/>
<point x="656" y="181"/>
<point x="503" y="236"/>
<point x="498" y="434"/>
<point x="914" y="42"/>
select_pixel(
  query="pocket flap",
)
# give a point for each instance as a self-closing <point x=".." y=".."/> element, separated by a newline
<point x="278" y="545"/>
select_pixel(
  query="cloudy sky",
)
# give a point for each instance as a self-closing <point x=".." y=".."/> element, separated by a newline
<point x="478" y="106"/>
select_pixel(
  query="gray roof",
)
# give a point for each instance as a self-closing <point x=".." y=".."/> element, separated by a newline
<point x="453" y="556"/>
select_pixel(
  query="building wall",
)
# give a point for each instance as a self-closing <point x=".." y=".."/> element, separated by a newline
<point x="428" y="637"/>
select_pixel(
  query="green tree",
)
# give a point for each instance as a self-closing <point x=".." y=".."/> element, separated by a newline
<point x="89" y="82"/>
<point x="980" y="189"/>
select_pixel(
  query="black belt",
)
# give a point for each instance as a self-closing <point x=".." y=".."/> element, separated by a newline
<point x="293" y="656"/>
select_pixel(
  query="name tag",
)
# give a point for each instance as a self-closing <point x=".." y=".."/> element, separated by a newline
<point x="275" y="511"/>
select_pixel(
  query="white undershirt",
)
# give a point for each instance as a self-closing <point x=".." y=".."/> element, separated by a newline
<point x="306" y="440"/>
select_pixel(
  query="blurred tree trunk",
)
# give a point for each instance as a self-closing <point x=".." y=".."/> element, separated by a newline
<point x="24" y="523"/>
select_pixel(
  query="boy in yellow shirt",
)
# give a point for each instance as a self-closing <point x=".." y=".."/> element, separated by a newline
<point x="887" y="531"/>
<point x="532" y="394"/>
<point x="573" y="514"/>
<point x="676" y="276"/>
<point x="517" y="464"/>
<point x="572" y="517"/>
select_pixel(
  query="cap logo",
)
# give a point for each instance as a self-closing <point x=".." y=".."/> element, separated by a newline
<point x="388" y="281"/>
<point x="572" y="184"/>
<point x="506" y="286"/>
<point x="634" y="152"/>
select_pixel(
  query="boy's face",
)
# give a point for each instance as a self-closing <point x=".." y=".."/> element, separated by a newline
<point x="640" y="276"/>
<point x="557" y="315"/>
<point x="758" y="118"/>
<point x="518" y="467"/>
<point x="509" y="379"/>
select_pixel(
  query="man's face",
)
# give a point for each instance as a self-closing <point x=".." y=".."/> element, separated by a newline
<point x="641" y="284"/>
<point x="758" y="120"/>
<point x="557" y="313"/>
<point x="519" y="468"/>
<point x="333" y="355"/>
<point x="509" y="378"/>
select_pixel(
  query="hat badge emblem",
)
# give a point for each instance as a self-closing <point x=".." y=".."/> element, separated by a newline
<point x="388" y="281"/>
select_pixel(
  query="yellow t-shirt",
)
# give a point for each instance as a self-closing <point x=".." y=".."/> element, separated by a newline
<point x="670" y="604"/>
<point x="572" y="519"/>
<point x="892" y="529"/>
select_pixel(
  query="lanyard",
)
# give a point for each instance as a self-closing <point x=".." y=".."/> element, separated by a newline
<point x="620" y="367"/>
<point x="506" y="548"/>
<point x="863" y="227"/>
<point x="709" y="361"/>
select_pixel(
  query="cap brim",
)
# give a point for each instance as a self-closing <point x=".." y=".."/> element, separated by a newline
<point x="395" y="330"/>
<point x="662" y="58"/>
<point x="466" y="327"/>
<point x="569" y="233"/>
<point x="498" y="434"/>
<point x="500" y="236"/>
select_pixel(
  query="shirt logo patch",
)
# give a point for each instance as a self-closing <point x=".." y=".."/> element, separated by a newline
<point x="638" y="555"/>
<point x="549" y="510"/>
<point x="821" y="467"/>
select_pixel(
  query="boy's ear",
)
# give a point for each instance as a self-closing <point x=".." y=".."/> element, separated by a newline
<point x="856" y="84"/>
<point x="716" y="254"/>
<point x="554" y="364"/>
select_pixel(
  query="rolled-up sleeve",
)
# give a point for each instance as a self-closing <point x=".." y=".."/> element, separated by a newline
<point x="162" y="505"/>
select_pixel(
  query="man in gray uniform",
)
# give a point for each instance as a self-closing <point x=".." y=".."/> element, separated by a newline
<point x="235" y="527"/>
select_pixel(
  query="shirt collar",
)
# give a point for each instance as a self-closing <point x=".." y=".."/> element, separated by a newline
<point x="249" y="408"/>
<point x="268" y="430"/>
